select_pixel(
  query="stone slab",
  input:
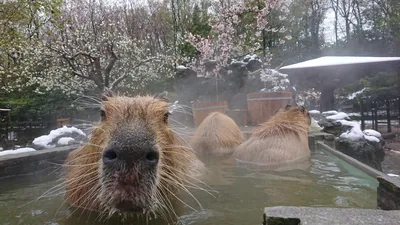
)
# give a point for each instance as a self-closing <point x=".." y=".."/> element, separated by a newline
<point x="31" y="162"/>
<point x="388" y="193"/>
<point x="287" y="215"/>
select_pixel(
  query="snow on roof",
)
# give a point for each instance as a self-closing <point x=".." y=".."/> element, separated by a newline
<point x="5" y="110"/>
<point x="338" y="60"/>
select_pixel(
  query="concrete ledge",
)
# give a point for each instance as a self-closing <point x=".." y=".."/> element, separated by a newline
<point x="389" y="193"/>
<point x="31" y="162"/>
<point x="354" y="162"/>
<point x="283" y="215"/>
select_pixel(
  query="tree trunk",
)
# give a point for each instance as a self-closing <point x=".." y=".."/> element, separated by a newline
<point x="327" y="99"/>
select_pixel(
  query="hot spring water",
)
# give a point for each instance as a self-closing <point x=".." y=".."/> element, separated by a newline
<point x="240" y="197"/>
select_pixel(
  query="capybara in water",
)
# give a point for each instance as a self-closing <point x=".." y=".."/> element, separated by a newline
<point x="283" y="139"/>
<point x="133" y="162"/>
<point x="218" y="135"/>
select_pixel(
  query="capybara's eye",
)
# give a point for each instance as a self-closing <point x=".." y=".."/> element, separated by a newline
<point x="166" y="115"/>
<point x="103" y="115"/>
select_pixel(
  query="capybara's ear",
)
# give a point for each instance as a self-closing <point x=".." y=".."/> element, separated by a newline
<point x="287" y="107"/>
<point x="302" y="109"/>
<point x="162" y="96"/>
<point x="107" y="93"/>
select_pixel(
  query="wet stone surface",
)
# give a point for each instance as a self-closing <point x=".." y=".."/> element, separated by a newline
<point x="389" y="193"/>
<point x="328" y="216"/>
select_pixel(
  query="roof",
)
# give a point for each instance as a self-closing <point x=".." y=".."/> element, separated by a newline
<point x="5" y="110"/>
<point x="338" y="60"/>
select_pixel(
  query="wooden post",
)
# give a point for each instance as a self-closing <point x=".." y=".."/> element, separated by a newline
<point x="389" y="127"/>
<point x="362" y="113"/>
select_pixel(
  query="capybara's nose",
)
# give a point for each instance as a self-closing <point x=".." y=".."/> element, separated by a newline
<point x="131" y="156"/>
<point x="110" y="156"/>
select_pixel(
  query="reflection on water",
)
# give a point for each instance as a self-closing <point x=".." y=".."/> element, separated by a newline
<point x="240" y="194"/>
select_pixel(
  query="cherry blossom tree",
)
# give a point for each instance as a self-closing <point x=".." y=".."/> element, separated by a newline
<point x="226" y="39"/>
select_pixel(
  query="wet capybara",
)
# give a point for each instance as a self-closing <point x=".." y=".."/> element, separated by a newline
<point x="280" y="141"/>
<point x="218" y="135"/>
<point x="133" y="163"/>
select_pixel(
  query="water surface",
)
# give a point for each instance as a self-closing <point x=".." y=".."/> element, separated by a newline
<point x="240" y="197"/>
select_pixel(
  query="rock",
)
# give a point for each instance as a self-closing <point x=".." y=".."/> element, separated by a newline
<point x="369" y="153"/>
<point x="388" y="193"/>
<point x="333" y="127"/>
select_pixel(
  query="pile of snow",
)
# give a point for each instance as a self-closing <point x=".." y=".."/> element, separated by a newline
<point x="17" y="151"/>
<point x="314" y="112"/>
<point x="371" y="132"/>
<point x="331" y="112"/>
<point x="356" y="134"/>
<point x="65" y="140"/>
<point x="45" y="140"/>
<point x="338" y="116"/>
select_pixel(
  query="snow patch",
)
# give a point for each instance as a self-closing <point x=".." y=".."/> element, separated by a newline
<point x="371" y="138"/>
<point x="17" y="151"/>
<point x="45" y="140"/>
<point x="315" y="126"/>
<point x="181" y="67"/>
<point x="353" y="95"/>
<point x="331" y="112"/>
<point x="392" y="175"/>
<point x="338" y="116"/>
<point x="65" y="140"/>
<point x="314" y="112"/>
<point x="373" y="133"/>
<point x="356" y="134"/>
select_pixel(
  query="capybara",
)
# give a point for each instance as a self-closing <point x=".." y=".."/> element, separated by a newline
<point x="218" y="135"/>
<point x="133" y="163"/>
<point x="280" y="141"/>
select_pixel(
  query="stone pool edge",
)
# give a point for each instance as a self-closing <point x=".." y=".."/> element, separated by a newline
<point x="31" y="162"/>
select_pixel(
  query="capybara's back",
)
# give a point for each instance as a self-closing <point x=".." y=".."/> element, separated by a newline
<point x="283" y="139"/>
<point x="217" y="135"/>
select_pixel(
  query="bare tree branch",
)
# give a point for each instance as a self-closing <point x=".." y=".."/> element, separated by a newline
<point x="121" y="78"/>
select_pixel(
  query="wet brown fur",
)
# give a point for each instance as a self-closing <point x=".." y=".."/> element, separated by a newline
<point x="283" y="139"/>
<point x="177" y="163"/>
<point x="217" y="135"/>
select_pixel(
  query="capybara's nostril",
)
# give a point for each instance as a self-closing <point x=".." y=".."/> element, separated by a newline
<point x="152" y="157"/>
<point x="109" y="156"/>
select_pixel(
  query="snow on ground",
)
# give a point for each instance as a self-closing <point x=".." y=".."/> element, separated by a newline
<point x="65" y="140"/>
<point x="17" y="151"/>
<point x="338" y="116"/>
<point x="45" y="140"/>
<point x="356" y="134"/>
<point x="314" y="112"/>
<point x="392" y="175"/>
<point x="331" y="112"/>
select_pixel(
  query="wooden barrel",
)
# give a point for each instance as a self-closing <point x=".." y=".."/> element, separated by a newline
<point x="239" y="116"/>
<point x="262" y="105"/>
<point x="202" y="109"/>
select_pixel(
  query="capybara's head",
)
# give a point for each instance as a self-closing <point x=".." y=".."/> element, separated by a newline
<point x="299" y="111"/>
<point x="137" y="156"/>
